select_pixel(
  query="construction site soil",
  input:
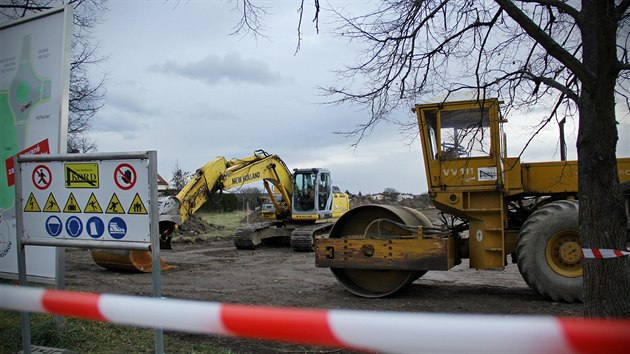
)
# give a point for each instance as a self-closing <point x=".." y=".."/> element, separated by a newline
<point x="276" y="276"/>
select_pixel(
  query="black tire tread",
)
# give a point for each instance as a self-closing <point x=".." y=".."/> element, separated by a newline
<point x="527" y="264"/>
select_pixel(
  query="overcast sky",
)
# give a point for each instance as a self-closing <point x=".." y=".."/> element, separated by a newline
<point x="178" y="83"/>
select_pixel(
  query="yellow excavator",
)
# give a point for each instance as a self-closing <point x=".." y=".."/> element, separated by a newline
<point x="305" y="203"/>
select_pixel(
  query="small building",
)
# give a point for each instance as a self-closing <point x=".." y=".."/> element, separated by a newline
<point x="377" y="196"/>
<point x="162" y="184"/>
<point x="403" y="196"/>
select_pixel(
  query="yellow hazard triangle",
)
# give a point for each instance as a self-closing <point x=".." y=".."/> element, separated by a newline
<point x="92" y="205"/>
<point x="137" y="207"/>
<point x="31" y="204"/>
<point x="71" y="205"/>
<point x="114" y="206"/>
<point x="51" y="205"/>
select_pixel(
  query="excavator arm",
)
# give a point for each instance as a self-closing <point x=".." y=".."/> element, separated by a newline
<point x="221" y="174"/>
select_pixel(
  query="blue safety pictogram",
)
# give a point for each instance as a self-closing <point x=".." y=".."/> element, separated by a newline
<point x="53" y="226"/>
<point x="117" y="228"/>
<point x="74" y="226"/>
<point x="95" y="227"/>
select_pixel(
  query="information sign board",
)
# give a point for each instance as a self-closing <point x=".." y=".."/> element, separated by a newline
<point x="35" y="56"/>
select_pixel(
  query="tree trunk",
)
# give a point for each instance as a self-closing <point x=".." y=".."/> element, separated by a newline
<point x="602" y="213"/>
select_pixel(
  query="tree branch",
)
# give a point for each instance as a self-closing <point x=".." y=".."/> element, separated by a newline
<point x="552" y="47"/>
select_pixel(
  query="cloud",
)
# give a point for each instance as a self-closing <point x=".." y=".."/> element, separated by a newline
<point x="129" y="103"/>
<point x="215" y="69"/>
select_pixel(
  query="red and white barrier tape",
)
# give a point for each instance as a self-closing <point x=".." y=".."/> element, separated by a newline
<point x="393" y="332"/>
<point x="600" y="253"/>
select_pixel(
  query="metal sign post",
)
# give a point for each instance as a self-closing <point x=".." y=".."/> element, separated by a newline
<point x="103" y="200"/>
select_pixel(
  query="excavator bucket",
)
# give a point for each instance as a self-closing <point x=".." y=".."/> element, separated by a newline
<point x="126" y="260"/>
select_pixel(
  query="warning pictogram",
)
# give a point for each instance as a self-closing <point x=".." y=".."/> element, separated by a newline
<point x="92" y="205"/>
<point x="71" y="205"/>
<point x="41" y="177"/>
<point x="125" y="176"/>
<point x="31" y="204"/>
<point x="51" y="205"/>
<point x="137" y="207"/>
<point x="114" y="206"/>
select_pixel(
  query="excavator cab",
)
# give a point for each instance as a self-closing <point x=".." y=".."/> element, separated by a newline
<point x="312" y="194"/>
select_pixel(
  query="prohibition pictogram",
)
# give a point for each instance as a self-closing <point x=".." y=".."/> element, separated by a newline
<point x="41" y="177"/>
<point x="125" y="176"/>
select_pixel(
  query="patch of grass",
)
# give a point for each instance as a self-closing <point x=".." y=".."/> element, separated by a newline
<point x="230" y="221"/>
<point x="221" y="225"/>
<point x="85" y="336"/>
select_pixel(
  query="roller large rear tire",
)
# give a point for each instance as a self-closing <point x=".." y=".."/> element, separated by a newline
<point x="549" y="254"/>
<point x="368" y="282"/>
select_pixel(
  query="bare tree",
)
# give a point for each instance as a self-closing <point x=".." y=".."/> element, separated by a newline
<point x="180" y="177"/>
<point x="391" y="194"/>
<point x="251" y="196"/>
<point x="86" y="96"/>
<point x="570" y="57"/>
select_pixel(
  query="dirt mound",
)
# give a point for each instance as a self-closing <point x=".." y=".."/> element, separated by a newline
<point x="196" y="225"/>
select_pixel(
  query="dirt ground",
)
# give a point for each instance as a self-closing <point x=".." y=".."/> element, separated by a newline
<point x="277" y="276"/>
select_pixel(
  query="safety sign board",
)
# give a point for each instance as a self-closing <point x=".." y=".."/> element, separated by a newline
<point x="102" y="199"/>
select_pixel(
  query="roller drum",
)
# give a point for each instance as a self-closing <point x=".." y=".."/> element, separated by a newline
<point x="375" y="283"/>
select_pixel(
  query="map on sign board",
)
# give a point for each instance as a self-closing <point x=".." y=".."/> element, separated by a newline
<point x="34" y="80"/>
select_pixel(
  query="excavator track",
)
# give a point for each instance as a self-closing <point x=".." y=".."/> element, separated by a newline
<point x="246" y="238"/>
<point x="303" y="237"/>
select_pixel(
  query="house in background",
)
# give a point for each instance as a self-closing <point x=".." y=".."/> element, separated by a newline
<point x="379" y="196"/>
<point x="402" y="196"/>
<point x="162" y="185"/>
